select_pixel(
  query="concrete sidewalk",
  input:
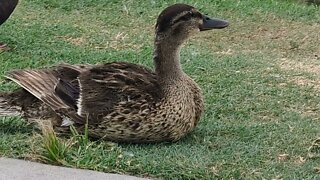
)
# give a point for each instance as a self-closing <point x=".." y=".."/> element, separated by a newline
<point x="13" y="169"/>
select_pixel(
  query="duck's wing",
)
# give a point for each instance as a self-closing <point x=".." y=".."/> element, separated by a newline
<point x="45" y="84"/>
<point x="6" y="8"/>
<point x="84" y="91"/>
<point x="104" y="87"/>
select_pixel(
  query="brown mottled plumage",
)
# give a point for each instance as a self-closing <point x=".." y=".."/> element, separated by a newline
<point x="121" y="101"/>
<point x="6" y="8"/>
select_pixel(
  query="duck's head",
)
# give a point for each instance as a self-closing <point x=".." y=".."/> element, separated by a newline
<point x="179" y="21"/>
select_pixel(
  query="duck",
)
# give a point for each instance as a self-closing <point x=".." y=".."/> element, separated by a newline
<point x="6" y="9"/>
<point x="120" y="101"/>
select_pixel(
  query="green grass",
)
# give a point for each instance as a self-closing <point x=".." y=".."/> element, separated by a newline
<point x="260" y="78"/>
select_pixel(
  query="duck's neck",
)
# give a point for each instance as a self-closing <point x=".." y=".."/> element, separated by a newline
<point x="167" y="59"/>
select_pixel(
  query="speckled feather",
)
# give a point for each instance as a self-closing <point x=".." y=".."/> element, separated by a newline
<point x="121" y="101"/>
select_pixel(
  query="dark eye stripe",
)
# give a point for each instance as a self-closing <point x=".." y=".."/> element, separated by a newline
<point x="188" y="16"/>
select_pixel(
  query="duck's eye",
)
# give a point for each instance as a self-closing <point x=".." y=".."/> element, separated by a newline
<point x="188" y="15"/>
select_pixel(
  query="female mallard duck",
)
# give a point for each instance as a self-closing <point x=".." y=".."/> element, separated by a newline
<point x="121" y="101"/>
<point x="6" y="8"/>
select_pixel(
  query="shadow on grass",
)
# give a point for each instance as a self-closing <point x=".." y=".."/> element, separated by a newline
<point x="14" y="125"/>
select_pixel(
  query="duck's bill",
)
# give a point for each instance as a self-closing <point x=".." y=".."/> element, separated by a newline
<point x="213" y="23"/>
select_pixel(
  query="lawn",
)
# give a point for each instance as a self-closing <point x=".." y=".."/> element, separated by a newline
<point x="260" y="78"/>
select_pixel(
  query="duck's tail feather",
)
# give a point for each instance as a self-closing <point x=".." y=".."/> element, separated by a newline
<point x="40" y="83"/>
<point x="7" y="109"/>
